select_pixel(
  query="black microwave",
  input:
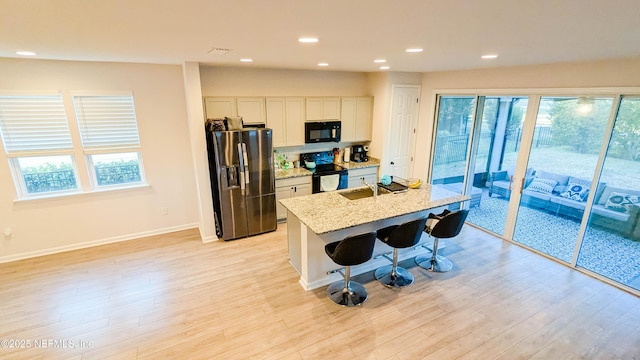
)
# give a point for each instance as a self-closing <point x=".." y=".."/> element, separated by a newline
<point x="321" y="131"/>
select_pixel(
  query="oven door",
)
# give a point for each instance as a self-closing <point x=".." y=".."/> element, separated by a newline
<point x="329" y="181"/>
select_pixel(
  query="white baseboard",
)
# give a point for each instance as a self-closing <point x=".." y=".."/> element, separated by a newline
<point x="209" y="239"/>
<point x="88" y="244"/>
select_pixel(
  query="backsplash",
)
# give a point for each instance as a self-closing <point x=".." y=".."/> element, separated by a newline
<point x="292" y="153"/>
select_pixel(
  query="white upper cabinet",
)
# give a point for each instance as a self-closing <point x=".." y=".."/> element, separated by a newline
<point x="331" y="108"/>
<point x="323" y="108"/>
<point x="286" y="117"/>
<point x="252" y="109"/>
<point x="348" y="119"/>
<point x="294" y="111"/>
<point x="219" y="107"/>
<point x="276" y="120"/>
<point x="364" y="118"/>
<point x="356" y="119"/>
<point x="314" y="109"/>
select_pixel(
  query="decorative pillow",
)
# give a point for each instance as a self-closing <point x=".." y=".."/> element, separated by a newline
<point x="577" y="192"/>
<point x="234" y="123"/>
<point x="561" y="179"/>
<point x="621" y="202"/>
<point x="542" y="185"/>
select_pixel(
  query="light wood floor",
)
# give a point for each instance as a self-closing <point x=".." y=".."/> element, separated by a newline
<point x="173" y="297"/>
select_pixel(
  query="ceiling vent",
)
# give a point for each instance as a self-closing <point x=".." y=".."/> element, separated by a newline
<point x="218" y="51"/>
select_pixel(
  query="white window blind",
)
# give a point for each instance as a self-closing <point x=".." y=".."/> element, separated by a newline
<point x="106" y="122"/>
<point x="33" y="124"/>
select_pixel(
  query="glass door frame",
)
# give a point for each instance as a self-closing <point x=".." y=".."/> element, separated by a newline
<point x="602" y="155"/>
<point x="534" y="96"/>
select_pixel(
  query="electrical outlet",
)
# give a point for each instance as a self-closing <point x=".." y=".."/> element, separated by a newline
<point x="164" y="210"/>
<point x="8" y="233"/>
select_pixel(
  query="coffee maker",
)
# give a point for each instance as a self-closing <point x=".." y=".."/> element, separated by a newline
<point x="359" y="153"/>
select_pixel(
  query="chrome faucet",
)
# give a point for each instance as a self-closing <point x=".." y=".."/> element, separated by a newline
<point x="373" y="188"/>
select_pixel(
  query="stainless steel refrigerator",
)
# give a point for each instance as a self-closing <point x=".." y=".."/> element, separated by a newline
<point x="242" y="182"/>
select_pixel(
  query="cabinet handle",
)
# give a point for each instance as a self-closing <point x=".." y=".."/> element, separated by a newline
<point x="295" y="189"/>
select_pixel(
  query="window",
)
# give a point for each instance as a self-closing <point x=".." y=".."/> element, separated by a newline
<point x="110" y="141"/>
<point x="43" y="149"/>
<point x="37" y="141"/>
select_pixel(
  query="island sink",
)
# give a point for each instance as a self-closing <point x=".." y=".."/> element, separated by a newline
<point x="361" y="193"/>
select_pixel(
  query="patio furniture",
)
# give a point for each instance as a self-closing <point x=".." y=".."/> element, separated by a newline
<point x="614" y="208"/>
<point x="500" y="182"/>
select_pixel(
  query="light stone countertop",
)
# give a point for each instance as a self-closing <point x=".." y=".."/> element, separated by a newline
<point x="296" y="172"/>
<point x="291" y="173"/>
<point x="330" y="211"/>
<point x="359" y="165"/>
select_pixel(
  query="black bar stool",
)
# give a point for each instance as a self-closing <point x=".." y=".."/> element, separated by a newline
<point x="353" y="250"/>
<point x="447" y="225"/>
<point x="399" y="236"/>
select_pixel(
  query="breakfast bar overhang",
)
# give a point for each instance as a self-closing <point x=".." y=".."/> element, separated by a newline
<point x="316" y="220"/>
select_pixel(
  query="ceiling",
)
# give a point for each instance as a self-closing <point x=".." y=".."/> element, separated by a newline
<point x="453" y="33"/>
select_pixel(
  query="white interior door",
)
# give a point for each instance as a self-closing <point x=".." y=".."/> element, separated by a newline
<point x="404" y="120"/>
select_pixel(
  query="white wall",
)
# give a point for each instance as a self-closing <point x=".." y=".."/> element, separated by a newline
<point x="195" y="115"/>
<point x="381" y="85"/>
<point x="43" y="226"/>
<point x="248" y="81"/>
<point x="609" y="73"/>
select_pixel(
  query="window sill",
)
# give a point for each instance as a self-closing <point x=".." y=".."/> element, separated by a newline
<point x="72" y="195"/>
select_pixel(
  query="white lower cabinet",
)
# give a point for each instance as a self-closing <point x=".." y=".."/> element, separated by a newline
<point x="290" y="187"/>
<point x="369" y="174"/>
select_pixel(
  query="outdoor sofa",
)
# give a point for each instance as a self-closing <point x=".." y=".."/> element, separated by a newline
<point x="614" y="208"/>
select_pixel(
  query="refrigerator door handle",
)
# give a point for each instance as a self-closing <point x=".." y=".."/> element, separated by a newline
<point x="246" y="163"/>
<point x="242" y="173"/>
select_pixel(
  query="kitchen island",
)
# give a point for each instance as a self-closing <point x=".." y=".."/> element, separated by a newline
<point x="316" y="220"/>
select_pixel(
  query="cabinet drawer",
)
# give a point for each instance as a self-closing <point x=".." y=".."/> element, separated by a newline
<point x="295" y="181"/>
<point x="364" y="171"/>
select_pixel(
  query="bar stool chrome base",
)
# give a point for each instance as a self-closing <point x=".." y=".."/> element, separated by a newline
<point x="401" y="278"/>
<point x="355" y="294"/>
<point x="436" y="263"/>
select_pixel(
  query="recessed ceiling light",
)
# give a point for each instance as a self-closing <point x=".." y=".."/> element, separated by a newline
<point x="246" y="60"/>
<point x="379" y="61"/>
<point x="308" y="40"/>
<point x="414" y="50"/>
<point x="385" y="67"/>
<point x="489" y="56"/>
<point x="323" y="64"/>
<point x="25" y="53"/>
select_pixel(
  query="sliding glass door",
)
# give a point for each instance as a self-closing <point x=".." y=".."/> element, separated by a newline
<point x="611" y="244"/>
<point x="557" y="174"/>
<point x="494" y="160"/>
<point x="453" y="137"/>
<point x="561" y="165"/>
<point x="478" y="157"/>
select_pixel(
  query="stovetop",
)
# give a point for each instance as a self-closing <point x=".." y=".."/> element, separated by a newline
<point x="323" y="160"/>
<point x="328" y="168"/>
